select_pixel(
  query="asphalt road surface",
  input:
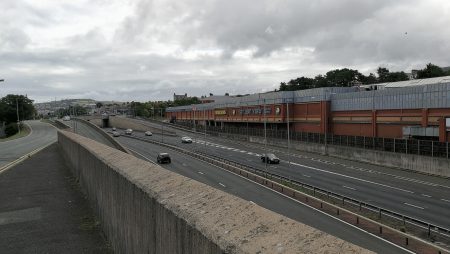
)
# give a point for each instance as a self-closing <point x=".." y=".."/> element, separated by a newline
<point x="416" y="195"/>
<point x="238" y="186"/>
<point x="41" y="134"/>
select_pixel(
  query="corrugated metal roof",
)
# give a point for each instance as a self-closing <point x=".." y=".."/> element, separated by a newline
<point x="414" y="82"/>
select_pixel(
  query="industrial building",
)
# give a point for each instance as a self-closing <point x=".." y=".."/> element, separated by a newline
<point x="408" y="109"/>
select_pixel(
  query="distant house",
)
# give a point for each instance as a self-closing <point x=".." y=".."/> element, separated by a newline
<point x="179" y="96"/>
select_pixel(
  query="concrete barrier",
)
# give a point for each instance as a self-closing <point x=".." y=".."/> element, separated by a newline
<point x="417" y="163"/>
<point x="104" y="134"/>
<point x="144" y="208"/>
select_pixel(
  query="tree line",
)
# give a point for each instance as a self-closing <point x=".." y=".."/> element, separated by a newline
<point x="9" y="106"/>
<point x="348" y="77"/>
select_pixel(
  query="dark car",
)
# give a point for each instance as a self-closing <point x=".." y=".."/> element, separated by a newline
<point x="163" y="158"/>
<point x="270" y="158"/>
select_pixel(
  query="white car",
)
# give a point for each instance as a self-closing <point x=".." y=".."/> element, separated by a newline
<point x="186" y="140"/>
<point x="114" y="129"/>
<point x="148" y="133"/>
<point x="128" y="131"/>
<point x="116" y="134"/>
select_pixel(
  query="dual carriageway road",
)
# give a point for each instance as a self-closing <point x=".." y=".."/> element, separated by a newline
<point x="260" y="195"/>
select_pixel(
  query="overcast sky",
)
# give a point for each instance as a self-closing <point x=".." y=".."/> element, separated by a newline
<point x="145" y="50"/>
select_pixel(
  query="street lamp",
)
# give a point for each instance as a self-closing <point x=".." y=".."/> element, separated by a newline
<point x="265" y="135"/>
<point x="288" y="133"/>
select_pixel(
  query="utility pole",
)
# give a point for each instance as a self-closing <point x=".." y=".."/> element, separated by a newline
<point x="17" y="109"/>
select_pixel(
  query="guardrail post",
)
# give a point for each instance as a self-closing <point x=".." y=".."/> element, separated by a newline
<point x="357" y="219"/>
<point x="314" y="191"/>
<point x="379" y="213"/>
<point x="406" y="241"/>
<point x="343" y="200"/>
<point x="360" y="206"/>
<point x="429" y="230"/>
<point x="337" y="212"/>
<point x="321" y="205"/>
<point x="381" y="230"/>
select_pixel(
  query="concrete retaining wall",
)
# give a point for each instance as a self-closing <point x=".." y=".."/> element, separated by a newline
<point x="104" y="134"/>
<point x="144" y="208"/>
<point x="422" y="164"/>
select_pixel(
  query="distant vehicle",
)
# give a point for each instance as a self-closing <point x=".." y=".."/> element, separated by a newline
<point x="148" y="133"/>
<point x="66" y="118"/>
<point x="186" y="140"/>
<point x="116" y="134"/>
<point x="128" y="131"/>
<point x="270" y="158"/>
<point x="163" y="158"/>
<point x="114" y="128"/>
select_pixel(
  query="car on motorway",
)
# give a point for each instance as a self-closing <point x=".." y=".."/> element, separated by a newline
<point x="270" y="158"/>
<point x="66" y="118"/>
<point x="163" y="158"/>
<point x="116" y="134"/>
<point x="114" y="129"/>
<point x="186" y="140"/>
<point x="128" y="131"/>
<point x="148" y="133"/>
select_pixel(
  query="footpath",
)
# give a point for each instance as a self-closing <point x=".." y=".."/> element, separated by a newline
<point x="42" y="209"/>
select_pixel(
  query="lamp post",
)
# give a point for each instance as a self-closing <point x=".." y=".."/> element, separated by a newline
<point x="265" y="135"/>
<point x="162" y="126"/>
<point x="288" y="133"/>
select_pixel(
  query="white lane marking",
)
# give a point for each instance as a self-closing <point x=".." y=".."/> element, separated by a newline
<point x="143" y="156"/>
<point x="306" y="175"/>
<point x="201" y="173"/>
<point x="242" y="151"/>
<point x="223" y="185"/>
<point x="445" y="200"/>
<point x="425" y="195"/>
<point x="348" y="187"/>
<point x="419" y="207"/>
<point x="351" y="177"/>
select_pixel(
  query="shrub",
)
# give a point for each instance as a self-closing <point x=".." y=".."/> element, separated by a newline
<point x="11" y="129"/>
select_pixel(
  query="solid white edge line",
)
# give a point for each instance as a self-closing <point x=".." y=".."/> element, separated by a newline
<point x="445" y="200"/>
<point x="143" y="156"/>
<point x="317" y="210"/>
<point x="223" y="185"/>
<point x="351" y="225"/>
<point x="281" y="194"/>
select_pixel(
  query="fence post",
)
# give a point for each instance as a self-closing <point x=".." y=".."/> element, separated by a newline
<point x="406" y="142"/>
<point x="432" y="148"/>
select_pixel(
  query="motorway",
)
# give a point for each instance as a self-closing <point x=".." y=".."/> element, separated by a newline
<point x="41" y="134"/>
<point x="419" y="196"/>
<point x="257" y="194"/>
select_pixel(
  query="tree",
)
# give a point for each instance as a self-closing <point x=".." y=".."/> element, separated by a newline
<point x="430" y="71"/>
<point x="99" y="104"/>
<point x="385" y="76"/>
<point x="8" y="108"/>
<point x="342" y="77"/>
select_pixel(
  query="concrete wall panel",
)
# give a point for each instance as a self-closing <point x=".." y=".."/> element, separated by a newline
<point x="144" y="208"/>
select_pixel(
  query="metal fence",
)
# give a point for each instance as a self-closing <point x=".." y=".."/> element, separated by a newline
<point x="407" y="146"/>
